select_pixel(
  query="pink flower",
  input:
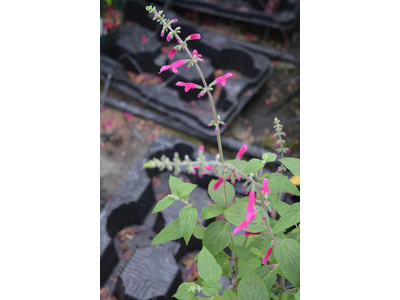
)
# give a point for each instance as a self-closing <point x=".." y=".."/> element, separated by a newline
<point x="284" y="134"/>
<point x="264" y="218"/>
<point x="208" y="168"/>
<point x="277" y="143"/>
<point x="288" y="151"/>
<point x="275" y="152"/>
<point x="218" y="183"/>
<point x="187" y="85"/>
<point x="271" y="213"/>
<point x="265" y="260"/>
<point x="172" y="53"/>
<point x="272" y="266"/>
<point x="162" y="33"/>
<point x="201" y="95"/>
<point x="169" y="36"/>
<point x="242" y="150"/>
<point x="222" y="79"/>
<point x="241" y="226"/>
<point x="201" y="148"/>
<point x="278" y="171"/>
<point x="174" y="66"/>
<point x="250" y="214"/>
<point x="216" y="131"/>
<point x="195" y="36"/>
<point x="251" y="233"/>
<point x="265" y="188"/>
<point x="174" y="20"/>
<point x="196" y="167"/>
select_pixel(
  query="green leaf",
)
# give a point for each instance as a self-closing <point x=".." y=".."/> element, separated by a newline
<point x="287" y="253"/>
<point x="243" y="200"/>
<point x="163" y="204"/>
<point x="223" y="262"/>
<point x="186" y="291"/>
<point x="184" y="190"/>
<point x="268" y="275"/>
<point x="108" y="2"/>
<point x="253" y="166"/>
<point x="280" y="206"/>
<point x="249" y="266"/>
<point x="198" y="233"/>
<point x="169" y="233"/>
<point x="187" y="218"/>
<point x="278" y="182"/>
<point x="293" y="164"/>
<point x="297" y="295"/>
<point x="269" y="157"/>
<point x="207" y="266"/>
<point x="174" y="182"/>
<point x="236" y="214"/>
<point x="211" y="211"/>
<point x="243" y="253"/>
<point x="251" y="287"/>
<point x="211" y="287"/>
<point x="216" y="237"/>
<point x="289" y="218"/>
<point x="219" y="195"/>
<point x="229" y="295"/>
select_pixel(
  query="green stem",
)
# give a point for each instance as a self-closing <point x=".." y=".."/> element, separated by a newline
<point x="282" y="288"/>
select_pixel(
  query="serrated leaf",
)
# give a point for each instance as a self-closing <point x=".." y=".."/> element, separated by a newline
<point x="187" y="219"/>
<point x="293" y="164"/>
<point x="289" y="218"/>
<point x="207" y="266"/>
<point x="280" y="206"/>
<point x="163" y="204"/>
<point x="174" y="182"/>
<point x="268" y="275"/>
<point x="219" y="195"/>
<point x="243" y="253"/>
<point x="253" y="166"/>
<point x="278" y="182"/>
<point x="211" y="211"/>
<point x="236" y="214"/>
<point x="229" y="295"/>
<point x="211" y="287"/>
<point x="251" y="287"/>
<point x="223" y="262"/>
<point x="269" y="157"/>
<point x="216" y="237"/>
<point x="185" y="292"/>
<point x="249" y="266"/>
<point x="198" y="233"/>
<point x="184" y="190"/>
<point x="169" y="233"/>
<point x="287" y="253"/>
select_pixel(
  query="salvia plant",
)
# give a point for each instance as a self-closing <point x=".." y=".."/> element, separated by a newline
<point x="251" y="246"/>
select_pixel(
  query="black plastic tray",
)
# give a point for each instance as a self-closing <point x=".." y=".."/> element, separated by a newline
<point x="124" y="51"/>
<point x="284" y="16"/>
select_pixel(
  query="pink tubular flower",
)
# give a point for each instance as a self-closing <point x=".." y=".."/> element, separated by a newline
<point x="265" y="188"/>
<point x="195" y="36"/>
<point x="187" y="85"/>
<point x="242" y="150"/>
<point x="169" y="37"/>
<point x="216" y="131"/>
<point x="174" y="20"/>
<point x="174" y="66"/>
<point x="201" y="148"/>
<point x="172" y="53"/>
<point x="162" y="33"/>
<point x="208" y="168"/>
<point x="250" y="214"/>
<point x="218" y="183"/>
<point x="222" y="79"/>
<point x="265" y="260"/>
<point x="277" y="143"/>
<point x="251" y="233"/>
